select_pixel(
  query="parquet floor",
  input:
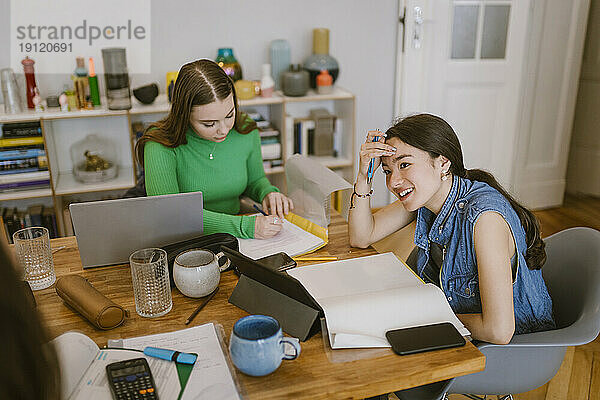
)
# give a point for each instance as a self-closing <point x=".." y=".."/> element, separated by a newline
<point x="579" y="375"/>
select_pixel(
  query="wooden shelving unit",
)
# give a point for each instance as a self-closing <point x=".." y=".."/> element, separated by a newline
<point x="61" y="129"/>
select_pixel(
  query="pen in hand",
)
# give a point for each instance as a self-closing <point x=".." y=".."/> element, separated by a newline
<point x="371" y="164"/>
<point x="260" y="210"/>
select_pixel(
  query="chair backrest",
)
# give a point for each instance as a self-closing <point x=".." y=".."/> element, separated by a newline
<point x="572" y="274"/>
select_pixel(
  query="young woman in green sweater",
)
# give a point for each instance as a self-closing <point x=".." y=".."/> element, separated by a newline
<point x="206" y="144"/>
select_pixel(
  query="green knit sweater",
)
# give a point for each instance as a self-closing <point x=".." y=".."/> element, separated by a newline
<point x="236" y="169"/>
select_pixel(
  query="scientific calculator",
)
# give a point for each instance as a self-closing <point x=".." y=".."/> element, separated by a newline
<point x="131" y="380"/>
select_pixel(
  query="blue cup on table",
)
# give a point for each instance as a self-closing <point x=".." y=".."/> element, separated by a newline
<point x="257" y="345"/>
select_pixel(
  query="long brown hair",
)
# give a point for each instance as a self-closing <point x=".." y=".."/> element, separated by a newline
<point x="198" y="83"/>
<point x="29" y="367"/>
<point x="435" y="136"/>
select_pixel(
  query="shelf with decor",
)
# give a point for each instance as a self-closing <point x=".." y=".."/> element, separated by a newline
<point x="61" y="130"/>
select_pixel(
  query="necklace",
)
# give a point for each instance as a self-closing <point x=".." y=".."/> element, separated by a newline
<point x="210" y="156"/>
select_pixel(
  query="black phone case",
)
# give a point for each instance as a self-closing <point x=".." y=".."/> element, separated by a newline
<point x="424" y="338"/>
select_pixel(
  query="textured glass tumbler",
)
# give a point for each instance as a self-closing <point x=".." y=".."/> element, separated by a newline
<point x="151" y="285"/>
<point x="32" y="247"/>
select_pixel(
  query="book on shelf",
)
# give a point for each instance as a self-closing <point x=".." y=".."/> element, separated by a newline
<point x="16" y="153"/>
<point x="309" y="138"/>
<point x="271" y="151"/>
<point x="40" y="162"/>
<point x="23" y="141"/>
<point x="21" y="129"/>
<point x="364" y="297"/>
<point x="25" y="177"/>
<point x="27" y="185"/>
<point x="49" y="221"/>
<point x="35" y="215"/>
<point x="268" y="132"/>
<point x="302" y="130"/>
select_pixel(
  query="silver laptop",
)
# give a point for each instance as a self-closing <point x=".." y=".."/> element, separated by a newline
<point x="109" y="231"/>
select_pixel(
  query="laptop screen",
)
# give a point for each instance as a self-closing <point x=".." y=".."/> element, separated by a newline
<point x="109" y="231"/>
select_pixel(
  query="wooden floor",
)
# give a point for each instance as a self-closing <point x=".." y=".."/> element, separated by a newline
<point x="579" y="375"/>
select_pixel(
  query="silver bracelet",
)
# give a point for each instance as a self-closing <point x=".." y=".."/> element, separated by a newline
<point x="362" y="196"/>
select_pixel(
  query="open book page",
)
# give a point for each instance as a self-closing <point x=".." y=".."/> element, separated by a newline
<point x="363" y="319"/>
<point x="210" y="377"/>
<point x="75" y="353"/>
<point x="355" y="275"/>
<point x="292" y="240"/>
<point x="93" y="385"/>
<point x="364" y="297"/>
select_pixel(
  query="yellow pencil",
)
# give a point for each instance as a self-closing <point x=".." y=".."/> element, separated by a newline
<point x="316" y="258"/>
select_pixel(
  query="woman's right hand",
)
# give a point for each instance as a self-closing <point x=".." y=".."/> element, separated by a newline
<point x="267" y="226"/>
<point x="371" y="149"/>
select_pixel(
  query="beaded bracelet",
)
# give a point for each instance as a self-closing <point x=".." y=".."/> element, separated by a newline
<point x="362" y="196"/>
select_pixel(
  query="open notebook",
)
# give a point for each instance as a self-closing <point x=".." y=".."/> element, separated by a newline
<point x="364" y="297"/>
<point x="297" y="236"/>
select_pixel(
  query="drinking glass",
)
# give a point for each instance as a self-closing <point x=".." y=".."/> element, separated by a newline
<point x="151" y="285"/>
<point x="32" y="247"/>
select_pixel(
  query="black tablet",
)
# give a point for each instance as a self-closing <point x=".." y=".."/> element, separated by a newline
<point x="424" y="338"/>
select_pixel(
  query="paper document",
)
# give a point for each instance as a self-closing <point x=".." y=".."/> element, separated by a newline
<point x="210" y="378"/>
<point x="292" y="239"/>
<point x="364" y="297"/>
<point x="83" y="369"/>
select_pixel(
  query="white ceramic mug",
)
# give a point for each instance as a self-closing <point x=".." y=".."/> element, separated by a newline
<point x="196" y="272"/>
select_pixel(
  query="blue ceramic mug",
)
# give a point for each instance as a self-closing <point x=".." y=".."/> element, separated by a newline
<point x="257" y="345"/>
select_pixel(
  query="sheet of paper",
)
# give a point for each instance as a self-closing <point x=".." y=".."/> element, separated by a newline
<point x="210" y="378"/>
<point x="355" y="275"/>
<point x="94" y="383"/>
<point x="292" y="240"/>
<point x="75" y="353"/>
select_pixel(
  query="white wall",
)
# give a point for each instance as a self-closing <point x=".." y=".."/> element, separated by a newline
<point x="362" y="39"/>
<point x="583" y="172"/>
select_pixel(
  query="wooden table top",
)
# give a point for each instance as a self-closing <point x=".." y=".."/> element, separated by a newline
<point x="316" y="374"/>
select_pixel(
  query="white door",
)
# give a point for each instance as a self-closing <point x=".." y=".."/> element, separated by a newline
<point x="462" y="60"/>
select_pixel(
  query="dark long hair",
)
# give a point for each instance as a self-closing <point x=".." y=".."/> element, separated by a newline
<point x="28" y="364"/>
<point x="198" y="83"/>
<point x="435" y="136"/>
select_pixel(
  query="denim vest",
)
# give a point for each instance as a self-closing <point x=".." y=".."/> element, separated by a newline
<point x="453" y="229"/>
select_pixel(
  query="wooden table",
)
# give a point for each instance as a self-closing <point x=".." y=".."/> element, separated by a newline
<point x="311" y="376"/>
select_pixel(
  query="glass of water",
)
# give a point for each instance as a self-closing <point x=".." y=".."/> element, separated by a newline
<point x="151" y="284"/>
<point x="32" y="247"/>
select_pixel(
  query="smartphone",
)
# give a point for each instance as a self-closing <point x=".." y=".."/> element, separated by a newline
<point x="277" y="262"/>
<point x="424" y="338"/>
<point x="131" y="379"/>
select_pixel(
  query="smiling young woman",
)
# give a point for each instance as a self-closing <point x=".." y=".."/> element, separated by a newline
<point x="474" y="241"/>
<point x="206" y="144"/>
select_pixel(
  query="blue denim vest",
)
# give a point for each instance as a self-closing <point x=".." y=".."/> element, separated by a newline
<point x="453" y="229"/>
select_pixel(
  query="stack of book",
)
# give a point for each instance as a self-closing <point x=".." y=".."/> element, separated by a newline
<point x="270" y="142"/>
<point x="14" y="219"/>
<point x="317" y="134"/>
<point x="23" y="161"/>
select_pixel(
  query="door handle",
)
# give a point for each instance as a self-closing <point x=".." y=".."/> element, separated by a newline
<point x="418" y="27"/>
